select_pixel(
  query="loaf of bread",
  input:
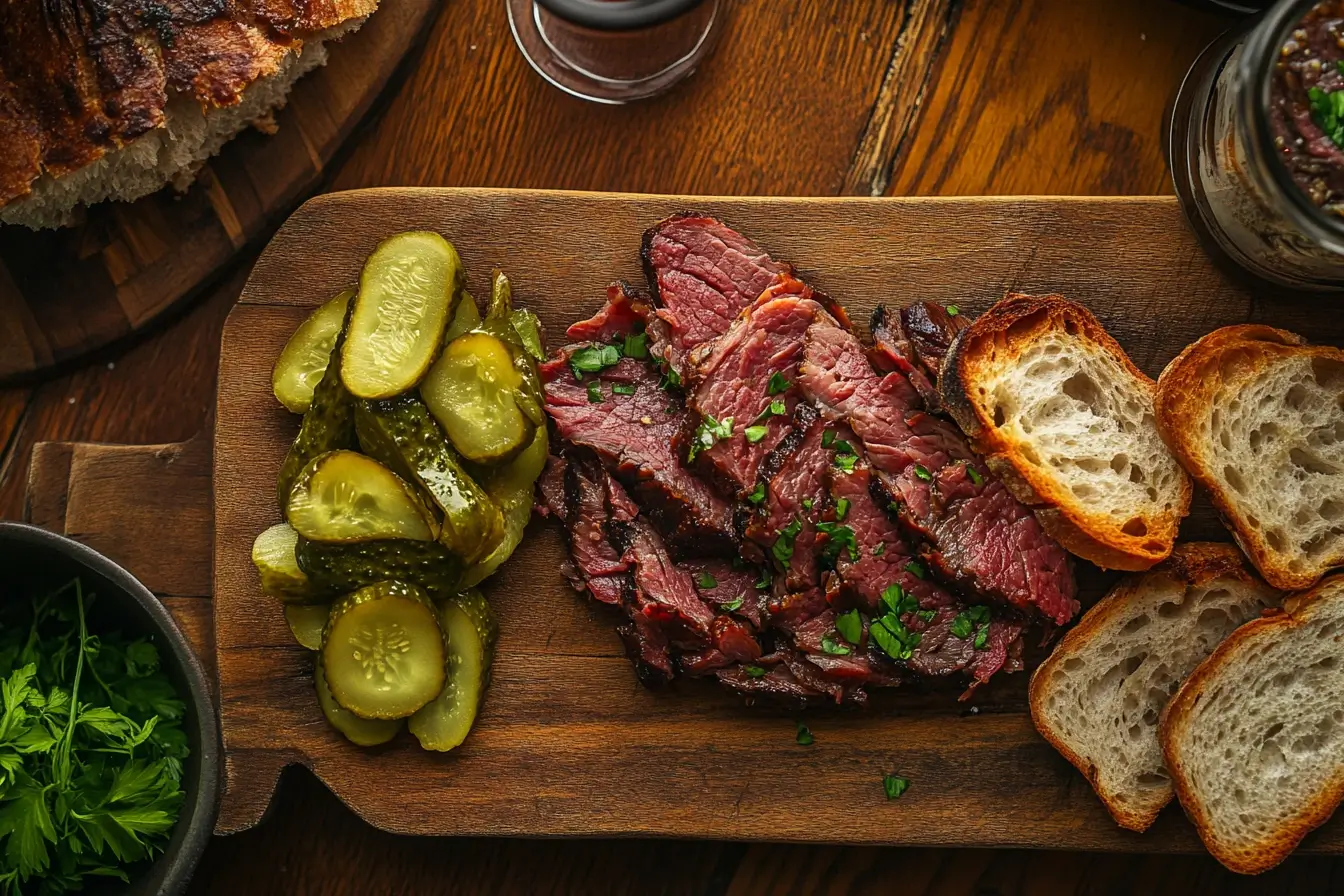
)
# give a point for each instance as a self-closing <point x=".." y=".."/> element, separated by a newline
<point x="106" y="101"/>
<point x="1257" y="417"/>
<point x="1254" y="738"/>
<point x="1097" y="698"/>
<point x="1065" y="419"/>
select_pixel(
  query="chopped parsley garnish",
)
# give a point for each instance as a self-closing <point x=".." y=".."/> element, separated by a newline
<point x="734" y="604"/>
<point x="623" y="389"/>
<point x="916" y="569"/>
<point x="981" y="637"/>
<point x="757" y="495"/>
<point x="898" y="601"/>
<point x="927" y="615"/>
<point x="923" y="473"/>
<point x="838" y="538"/>
<point x="808" y="503"/>
<point x="895" y="640"/>
<point x="841" y="509"/>
<point x="754" y="671"/>
<point x="593" y="359"/>
<point x="879" y="549"/>
<point x="894" y="786"/>
<point x="755" y="433"/>
<point x="842" y="447"/>
<point x="708" y="433"/>
<point x="776" y="408"/>
<point x="850" y="626"/>
<point x="804" y="737"/>
<point x="1327" y="110"/>
<point x="828" y="438"/>
<point x="845" y="462"/>
<point x="706" y="581"/>
<point x="783" y="547"/>
<point x="975" y="475"/>
<point x="834" y="647"/>
<point x="595" y="392"/>
<point x="670" y="380"/>
<point x="953" y="310"/>
<point x="636" y="345"/>
<point x="777" y="384"/>
<point x="764" y="581"/>
<point x="975" y="618"/>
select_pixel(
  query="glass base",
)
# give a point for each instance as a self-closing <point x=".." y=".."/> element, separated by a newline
<point x="613" y="67"/>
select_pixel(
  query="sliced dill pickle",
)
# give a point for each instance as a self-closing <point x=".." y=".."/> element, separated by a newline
<point x="328" y="424"/>
<point x="402" y="434"/>
<point x="360" y="732"/>
<point x="305" y="356"/>
<point x="472" y="390"/>
<point x="274" y="556"/>
<point x="341" y="568"/>
<point x="512" y="486"/>
<point x="343" y="496"/>
<point x="306" y="623"/>
<point x="383" y="651"/>
<point x="517" y="329"/>
<point x="466" y="318"/>
<point x="406" y="295"/>
<point x="471" y="631"/>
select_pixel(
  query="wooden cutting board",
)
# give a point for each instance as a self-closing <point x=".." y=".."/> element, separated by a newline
<point x="65" y="293"/>
<point x="569" y="744"/>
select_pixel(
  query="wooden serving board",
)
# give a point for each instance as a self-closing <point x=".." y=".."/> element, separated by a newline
<point x="568" y="743"/>
<point x="65" y="293"/>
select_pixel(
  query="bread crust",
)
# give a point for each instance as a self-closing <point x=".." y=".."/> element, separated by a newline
<point x="1185" y="390"/>
<point x="1192" y="565"/>
<point x="1174" y="722"/>
<point x="1013" y="323"/>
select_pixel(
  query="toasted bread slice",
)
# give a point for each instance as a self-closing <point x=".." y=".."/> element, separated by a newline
<point x="1065" y="419"/>
<point x="1254" y="738"/>
<point x="1257" y="417"/>
<point x="1098" y="696"/>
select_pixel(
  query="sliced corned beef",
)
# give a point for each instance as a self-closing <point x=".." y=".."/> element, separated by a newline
<point x="550" y="500"/>
<point x="588" y="511"/>
<point x="786" y="676"/>
<point x="970" y="529"/>
<point x="914" y="341"/>
<point x="664" y="591"/>
<point x="702" y="273"/>
<point x="738" y="379"/>
<point x="646" y="646"/>
<point x="633" y="435"/>
<point x="729" y="587"/>
<point x="626" y="312"/>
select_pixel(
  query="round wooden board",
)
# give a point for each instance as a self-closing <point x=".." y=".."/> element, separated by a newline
<point x="65" y="293"/>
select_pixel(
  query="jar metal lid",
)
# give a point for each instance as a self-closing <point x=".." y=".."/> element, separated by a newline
<point x="619" y="15"/>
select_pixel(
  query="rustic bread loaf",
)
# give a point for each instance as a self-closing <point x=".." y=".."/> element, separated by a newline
<point x="1098" y="696"/>
<point x="1254" y="738"/>
<point x="1257" y="417"/>
<point x="1066" y="420"/>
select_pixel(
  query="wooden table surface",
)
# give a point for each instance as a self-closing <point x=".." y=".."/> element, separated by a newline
<point x="811" y="97"/>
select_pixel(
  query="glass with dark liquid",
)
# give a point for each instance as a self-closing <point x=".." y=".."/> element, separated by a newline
<point x="614" y="51"/>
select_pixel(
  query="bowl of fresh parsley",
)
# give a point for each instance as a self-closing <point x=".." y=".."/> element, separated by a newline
<point x="109" y="741"/>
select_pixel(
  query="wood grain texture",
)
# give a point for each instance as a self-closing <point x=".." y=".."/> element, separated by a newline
<point x="68" y="292"/>
<point x="568" y="743"/>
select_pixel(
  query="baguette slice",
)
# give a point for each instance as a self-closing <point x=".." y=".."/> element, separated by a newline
<point x="1097" y="697"/>
<point x="1065" y="419"/>
<point x="1257" y="417"/>
<point x="1254" y="738"/>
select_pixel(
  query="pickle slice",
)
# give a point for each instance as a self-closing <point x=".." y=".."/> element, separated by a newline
<point x="472" y="391"/>
<point x="521" y="331"/>
<point x="328" y="424"/>
<point x="343" y="496"/>
<point x="466" y="318"/>
<point x="304" y="358"/>
<point x="471" y="630"/>
<point x="406" y="295"/>
<point x="360" y="732"/>
<point x="275" y="556"/>
<point x="307" y="622"/>
<point x="342" y="568"/>
<point x="512" y="487"/>
<point x="383" y="651"/>
<point x="402" y="434"/>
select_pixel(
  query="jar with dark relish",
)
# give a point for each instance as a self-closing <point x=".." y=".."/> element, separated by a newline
<point x="1256" y="147"/>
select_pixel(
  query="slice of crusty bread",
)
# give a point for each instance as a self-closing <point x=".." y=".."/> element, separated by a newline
<point x="1066" y="420"/>
<point x="1257" y="417"/>
<point x="1254" y="738"/>
<point x="1098" y="696"/>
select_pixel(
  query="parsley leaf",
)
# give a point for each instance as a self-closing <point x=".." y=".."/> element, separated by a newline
<point x="636" y="345"/>
<point x="895" y="786"/>
<point x="923" y="473"/>
<point x="623" y="389"/>
<point x="595" y="392"/>
<point x="764" y="581"/>
<point x="594" y="359"/>
<point x="783" y="546"/>
<point x="706" y="581"/>
<point x="757" y="495"/>
<point x="845" y="462"/>
<point x="974" y="475"/>
<point x="808" y="503"/>
<point x="842" y="447"/>
<point x="777" y="384"/>
<point x="670" y="380"/>
<point x="734" y="604"/>
<point x="894" y="639"/>
<point x="776" y="408"/>
<point x="838" y="538"/>
<point x="879" y="549"/>
<point x="850" y="626"/>
<point x="754" y="671"/>
<point x="898" y="601"/>
<point x="828" y="438"/>
<point x="841" y="509"/>
<point x="804" y="737"/>
<point x="755" y="433"/>
<point x="953" y="310"/>
<point x="708" y="433"/>
<point x="916" y="569"/>
<point x="833" y="647"/>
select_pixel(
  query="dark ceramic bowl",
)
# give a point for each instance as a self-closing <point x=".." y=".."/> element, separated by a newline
<point x="35" y="558"/>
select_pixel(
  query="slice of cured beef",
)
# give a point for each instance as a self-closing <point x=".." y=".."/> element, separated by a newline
<point x="914" y="341"/>
<point x="971" y="531"/>
<point x="592" y="500"/>
<point x="742" y="378"/>
<point x="633" y="434"/>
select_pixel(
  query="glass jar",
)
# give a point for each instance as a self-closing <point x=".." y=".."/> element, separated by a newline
<point x="1238" y="194"/>
<point x="614" y="51"/>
